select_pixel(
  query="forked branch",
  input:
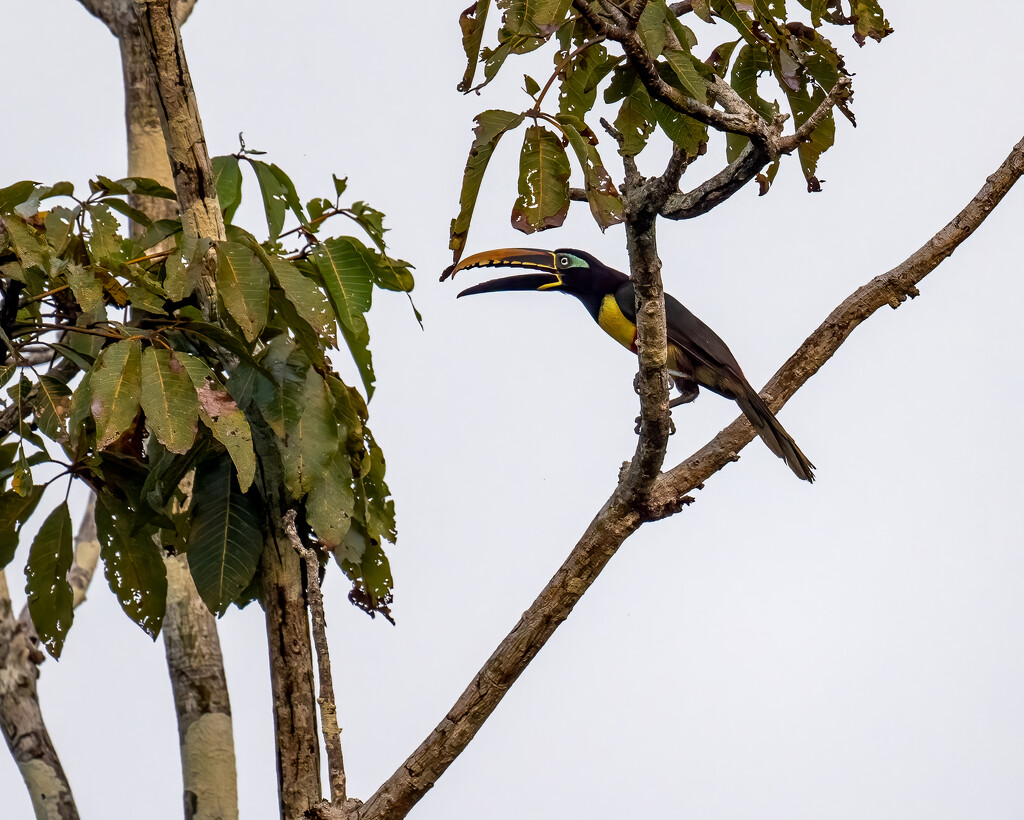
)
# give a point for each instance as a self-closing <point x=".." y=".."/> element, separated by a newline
<point x="621" y="515"/>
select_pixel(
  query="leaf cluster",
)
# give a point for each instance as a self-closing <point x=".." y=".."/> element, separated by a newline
<point x="116" y="375"/>
<point x="593" y="60"/>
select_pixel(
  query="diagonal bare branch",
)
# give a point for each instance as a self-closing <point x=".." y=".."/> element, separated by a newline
<point x="623" y="514"/>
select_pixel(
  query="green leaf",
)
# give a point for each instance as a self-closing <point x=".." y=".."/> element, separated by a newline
<point x="544" y="170"/>
<point x="651" y="28"/>
<point x="531" y="86"/>
<point x="104" y="242"/>
<point x="869" y="21"/>
<point x="684" y="131"/>
<point x="224" y="418"/>
<point x="291" y="198"/>
<point x="585" y="71"/>
<point x="490" y="125"/>
<point x="686" y="67"/>
<point x="135" y="215"/>
<point x="275" y="196"/>
<point x="50" y="597"/>
<point x="228" y="178"/>
<point x="330" y="503"/>
<point x="339" y="184"/>
<point x="244" y="287"/>
<point x="359" y="347"/>
<point x="471" y="21"/>
<point x="225" y="538"/>
<point x="169" y="400"/>
<point x="603" y="197"/>
<point x="132" y="564"/>
<point x="365" y="564"/>
<point x="115" y="385"/>
<point x="88" y="290"/>
<point x="311" y="438"/>
<point x="635" y="119"/>
<point x="14" y="195"/>
<point x="302" y="292"/>
<point x="15" y="510"/>
<point x="144" y="186"/>
<point x="53" y="402"/>
<point x="348" y="279"/>
<point x="26" y="243"/>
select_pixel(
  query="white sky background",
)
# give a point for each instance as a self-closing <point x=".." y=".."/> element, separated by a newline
<point x="849" y="649"/>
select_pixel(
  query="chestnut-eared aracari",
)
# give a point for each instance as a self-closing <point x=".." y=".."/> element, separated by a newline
<point x="697" y="356"/>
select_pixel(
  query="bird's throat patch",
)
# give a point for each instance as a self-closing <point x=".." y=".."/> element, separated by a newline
<point x="615" y="324"/>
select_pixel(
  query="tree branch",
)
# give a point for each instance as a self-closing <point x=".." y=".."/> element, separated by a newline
<point x="186" y="146"/>
<point x="328" y="704"/>
<point x="718" y="188"/>
<point x="890" y="288"/>
<point x="621" y="515"/>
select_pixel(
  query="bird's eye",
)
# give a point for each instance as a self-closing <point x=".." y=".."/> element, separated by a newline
<point x="563" y="261"/>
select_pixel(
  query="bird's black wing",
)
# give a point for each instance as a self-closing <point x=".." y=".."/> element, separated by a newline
<point x="685" y="331"/>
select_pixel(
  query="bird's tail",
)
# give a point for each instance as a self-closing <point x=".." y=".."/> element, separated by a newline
<point x="774" y="434"/>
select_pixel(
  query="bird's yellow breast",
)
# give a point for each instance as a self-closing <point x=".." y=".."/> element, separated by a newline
<point x="615" y="324"/>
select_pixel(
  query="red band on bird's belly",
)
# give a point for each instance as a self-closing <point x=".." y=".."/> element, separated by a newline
<point x="633" y="346"/>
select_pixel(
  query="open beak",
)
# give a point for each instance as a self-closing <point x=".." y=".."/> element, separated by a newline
<point x="514" y="258"/>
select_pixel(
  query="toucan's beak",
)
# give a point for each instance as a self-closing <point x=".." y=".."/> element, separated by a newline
<point x="513" y="258"/>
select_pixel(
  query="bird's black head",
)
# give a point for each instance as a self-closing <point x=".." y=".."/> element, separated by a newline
<point x="566" y="270"/>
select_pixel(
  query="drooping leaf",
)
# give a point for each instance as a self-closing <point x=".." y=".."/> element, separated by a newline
<point x="50" y="596"/>
<point x="348" y="278"/>
<point x="311" y="436"/>
<point x="222" y="415"/>
<point x="690" y="71"/>
<point x="53" y="403"/>
<point x="472" y="21"/>
<point x="275" y="196"/>
<point x="228" y="178"/>
<point x="169" y="400"/>
<point x="225" y="538"/>
<point x="583" y="74"/>
<point x="602" y="195"/>
<point x="490" y="126"/>
<point x="359" y="346"/>
<point x="115" y="383"/>
<point x="132" y="564"/>
<point x="15" y="510"/>
<point x="365" y="564"/>
<point x="635" y="120"/>
<point x="869" y="21"/>
<point x="244" y="287"/>
<point x="331" y="501"/>
<point x="544" y="171"/>
<point x="308" y="299"/>
<point x="104" y="240"/>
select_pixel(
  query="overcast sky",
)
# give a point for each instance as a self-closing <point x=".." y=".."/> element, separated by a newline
<point x="849" y="649"/>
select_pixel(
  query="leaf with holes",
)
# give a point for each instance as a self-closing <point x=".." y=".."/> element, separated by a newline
<point x="132" y="564"/>
<point x="50" y="597"/>
<point x="490" y="126"/>
<point x="312" y="436"/>
<point x="544" y="170"/>
<point x="115" y="383"/>
<point x="225" y="538"/>
<point x="244" y="287"/>
<point x="222" y="415"/>
<point x="602" y="195"/>
<point x="168" y="400"/>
